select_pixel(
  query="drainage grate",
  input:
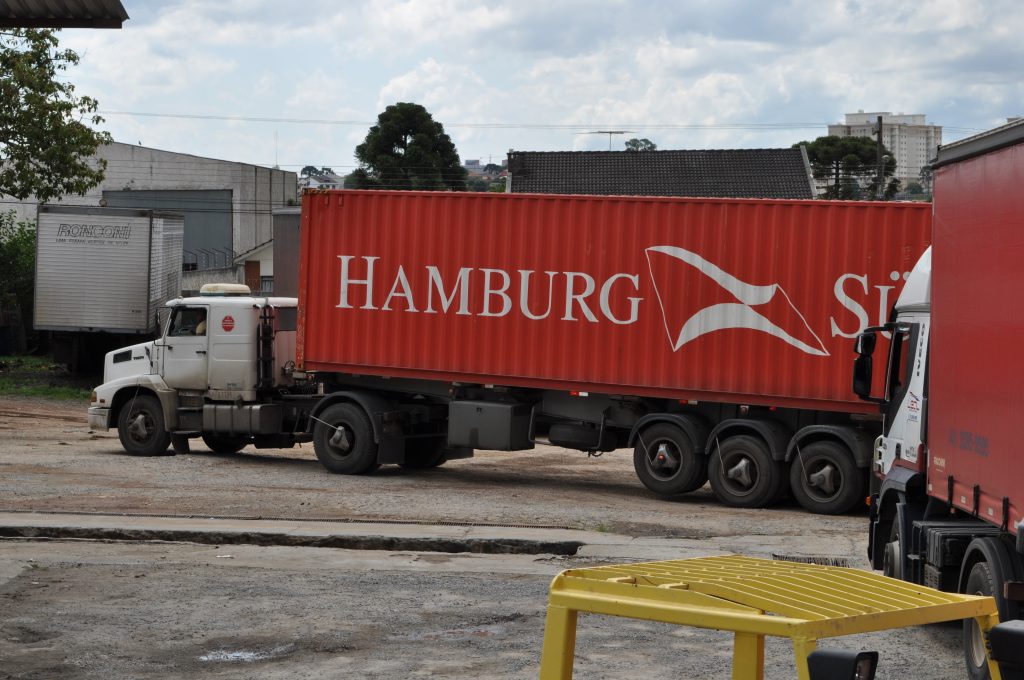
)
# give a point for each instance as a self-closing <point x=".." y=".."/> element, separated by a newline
<point x="821" y="560"/>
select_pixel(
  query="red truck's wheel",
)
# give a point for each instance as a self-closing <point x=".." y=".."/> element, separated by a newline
<point x="979" y="582"/>
<point x="825" y="480"/>
<point x="743" y="473"/>
<point x="667" y="462"/>
<point x="343" y="440"/>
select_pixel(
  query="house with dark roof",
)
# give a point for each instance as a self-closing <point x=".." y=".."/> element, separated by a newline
<point x="712" y="173"/>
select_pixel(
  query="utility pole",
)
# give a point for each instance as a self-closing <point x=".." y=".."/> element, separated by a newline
<point x="880" y="172"/>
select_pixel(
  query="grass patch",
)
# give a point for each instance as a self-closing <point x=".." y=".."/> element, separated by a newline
<point x="40" y="378"/>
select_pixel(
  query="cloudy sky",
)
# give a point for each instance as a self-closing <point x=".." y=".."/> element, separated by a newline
<point x="536" y="75"/>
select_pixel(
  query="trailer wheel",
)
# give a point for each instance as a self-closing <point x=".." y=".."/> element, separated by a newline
<point x="743" y="473"/>
<point x="667" y="462"/>
<point x="140" y="427"/>
<point x="343" y="440"/>
<point x="825" y="480"/>
<point x="219" y="443"/>
<point x="421" y="454"/>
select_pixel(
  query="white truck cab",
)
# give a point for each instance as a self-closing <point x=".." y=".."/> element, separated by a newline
<point x="219" y="355"/>
<point x="906" y="380"/>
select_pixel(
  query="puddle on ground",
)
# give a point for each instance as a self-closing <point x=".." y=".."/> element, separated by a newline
<point x="245" y="655"/>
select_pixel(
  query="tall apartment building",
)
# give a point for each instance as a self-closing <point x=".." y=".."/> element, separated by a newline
<point x="908" y="137"/>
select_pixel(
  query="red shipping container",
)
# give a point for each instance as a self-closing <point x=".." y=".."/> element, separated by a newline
<point x="740" y="301"/>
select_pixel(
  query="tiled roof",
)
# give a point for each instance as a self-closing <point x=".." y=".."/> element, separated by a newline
<point x="718" y="173"/>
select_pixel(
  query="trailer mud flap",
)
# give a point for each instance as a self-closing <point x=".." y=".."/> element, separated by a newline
<point x="390" y="438"/>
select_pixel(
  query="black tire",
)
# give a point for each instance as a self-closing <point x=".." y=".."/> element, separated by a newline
<point x="140" y="427"/>
<point x="743" y="473"/>
<point x="982" y="580"/>
<point x="667" y="461"/>
<point x="220" y="443"/>
<point x="892" y="557"/>
<point x="825" y="480"/>
<point x="421" y="454"/>
<point x="979" y="582"/>
<point x="356" y="454"/>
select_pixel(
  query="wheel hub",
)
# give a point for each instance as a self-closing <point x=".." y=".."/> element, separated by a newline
<point x="977" y="645"/>
<point x="340" y="440"/>
<point x="824" y="479"/>
<point x="138" y="428"/>
<point x="742" y="472"/>
<point x="664" y="460"/>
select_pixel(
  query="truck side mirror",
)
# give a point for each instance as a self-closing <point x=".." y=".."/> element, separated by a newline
<point x="841" y="664"/>
<point x="865" y="343"/>
<point x="862" y="372"/>
<point x="863" y="367"/>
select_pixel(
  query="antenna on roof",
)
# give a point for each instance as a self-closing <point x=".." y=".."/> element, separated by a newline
<point x="606" y="132"/>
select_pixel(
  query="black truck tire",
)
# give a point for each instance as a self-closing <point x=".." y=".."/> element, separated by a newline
<point x="356" y="453"/>
<point x="667" y="461"/>
<point x="743" y="473"/>
<point x="222" y="443"/>
<point x="983" y="580"/>
<point x="979" y="582"/>
<point x="825" y="480"/>
<point x="140" y="427"/>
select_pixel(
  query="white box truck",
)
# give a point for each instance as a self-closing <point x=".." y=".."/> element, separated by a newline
<point x="101" y="276"/>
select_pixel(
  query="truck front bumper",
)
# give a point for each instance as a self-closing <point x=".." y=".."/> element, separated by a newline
<point x="99" y="418"/>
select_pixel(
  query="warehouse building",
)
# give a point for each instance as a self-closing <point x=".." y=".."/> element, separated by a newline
<point x="226" y="205"/>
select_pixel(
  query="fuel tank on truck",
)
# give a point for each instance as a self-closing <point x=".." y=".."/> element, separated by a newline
<point x="744" y="301"/>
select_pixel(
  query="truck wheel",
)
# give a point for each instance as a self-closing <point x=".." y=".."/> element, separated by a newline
<point x="825" y="480"/>
<point x="667" y="462"/>
<point x="979" y="582"/>
<point x="343" y="440"/>
<point x="421" y="454"/>
<point x="743" y="473"/>
<point x="892" y="557"/>
<point x="140" y="427"/>
<point x="219" y="443"/>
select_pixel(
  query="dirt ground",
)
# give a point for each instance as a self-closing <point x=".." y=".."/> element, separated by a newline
<point x="91" y="609"/>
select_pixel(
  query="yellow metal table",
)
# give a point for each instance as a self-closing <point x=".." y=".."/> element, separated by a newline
<point x="753" y="598"/>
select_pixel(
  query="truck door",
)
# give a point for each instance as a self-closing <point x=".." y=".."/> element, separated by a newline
<point x="907" y="391"/>
<point x="184" y="348"/>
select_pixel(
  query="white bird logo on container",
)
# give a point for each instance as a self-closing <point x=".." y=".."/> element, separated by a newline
<point x="739" y="305"/>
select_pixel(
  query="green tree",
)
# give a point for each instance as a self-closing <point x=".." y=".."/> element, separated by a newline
<point x="408" y="149"/>
<point x="925" y="175"/>
<point x="17" y="265"/>
<point x="46" y="144"/>
<point x="849" y="167"/>
<point x="642" y="144"/>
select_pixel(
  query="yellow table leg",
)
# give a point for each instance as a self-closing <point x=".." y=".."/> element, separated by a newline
<point x="559" y="644"/>
<point x="802" y="648"/>
<point x="748" y="657"/>
<point x="986" y="623"/>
